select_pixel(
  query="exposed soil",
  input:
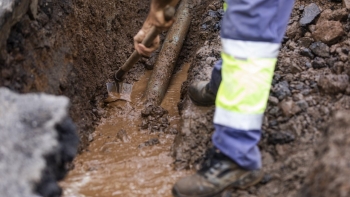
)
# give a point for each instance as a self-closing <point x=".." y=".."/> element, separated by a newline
<point x="310" y="83"/>
<point x="72" y="48"/>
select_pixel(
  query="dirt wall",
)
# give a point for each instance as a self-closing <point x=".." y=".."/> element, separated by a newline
<point x="71" y="47"/>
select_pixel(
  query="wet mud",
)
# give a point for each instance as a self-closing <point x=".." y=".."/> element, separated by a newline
<point x="125" y="158"/>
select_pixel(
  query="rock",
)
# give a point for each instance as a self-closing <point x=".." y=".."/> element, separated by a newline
<point x="150" y="142"/>
<point x="289" y="108"/>
<point x="338" y="67"/>
<point x="340" y="15"/>
<point x="281" y="90"/>
<point x="326" y="15"/>
<point x="333" y="84"/>
<point x="293" y="30"/>
<point x="318" y="63"/>
<point x="305" y="42"/>
<point x="123" y="136"/>
<point x="320" y="49"/>
<point x="306" y="52"/>
<point x="281" y="138"/>
<point x="346" y="4"/>
<point x="273" y="100"/>
<point x="37" y="141"/>
<point x="329" y="174"/>
<point x="310" y="13"/>
<point x="302" y="105"/>
<point x="331" y="61"/>
<point x="328" y="32"/>
<point x="333" y="15"/>
<point x="295" y="68"/>
<point x="173" y="131"/>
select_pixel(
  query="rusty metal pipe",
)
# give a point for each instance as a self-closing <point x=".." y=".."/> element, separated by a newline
<point x="164" y="66"/>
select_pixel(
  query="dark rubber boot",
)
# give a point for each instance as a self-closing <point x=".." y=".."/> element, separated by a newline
<point x="217" y="174"/>
<point x="200" y="94"/>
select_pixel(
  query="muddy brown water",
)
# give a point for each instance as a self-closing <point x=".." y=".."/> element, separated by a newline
<point x="114" y="167"/>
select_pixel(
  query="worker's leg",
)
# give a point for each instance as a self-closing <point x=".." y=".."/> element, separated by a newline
<point x="251" y="37"/>
<point x="251" y="34"/>
<point x="215" y="79"/>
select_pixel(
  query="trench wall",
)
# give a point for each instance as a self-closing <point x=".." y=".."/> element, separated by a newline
<point x="68" y="47"/>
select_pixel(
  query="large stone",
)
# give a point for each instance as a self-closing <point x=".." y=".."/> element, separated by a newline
<point x="333" y="84"/>
<point x="320" y="49"/>
<point x="37" y="141"/>
<point x="309" y="15"/>
<point x="328" y="32"/>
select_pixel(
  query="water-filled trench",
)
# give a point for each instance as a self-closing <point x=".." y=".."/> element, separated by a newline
<point x="120" y="167"/>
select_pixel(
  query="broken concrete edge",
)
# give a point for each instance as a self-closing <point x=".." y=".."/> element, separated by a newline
<point x="32" y="151"/>
<point x="11" y="11"/>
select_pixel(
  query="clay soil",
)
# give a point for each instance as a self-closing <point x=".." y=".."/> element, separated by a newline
<point x="73" y="47"/>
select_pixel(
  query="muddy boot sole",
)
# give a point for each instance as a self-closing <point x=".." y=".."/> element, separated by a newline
<point x="238" y="185"/>
<point x="206" y="104"/>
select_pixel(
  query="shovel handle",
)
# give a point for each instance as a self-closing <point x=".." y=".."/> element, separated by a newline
<point x="169" y="13"/>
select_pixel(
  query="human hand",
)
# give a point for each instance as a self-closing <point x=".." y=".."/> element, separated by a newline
<point x="141" y="48"/>
<point x="156" y="18"/>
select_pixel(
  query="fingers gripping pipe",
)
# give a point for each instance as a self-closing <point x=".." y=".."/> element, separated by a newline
<point x="164" y="66"/>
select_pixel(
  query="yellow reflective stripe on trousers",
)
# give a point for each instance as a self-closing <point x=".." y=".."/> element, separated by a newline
<point x="244" y="90"/>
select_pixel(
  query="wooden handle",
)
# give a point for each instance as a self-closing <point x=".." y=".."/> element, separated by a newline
<point x="169" y="13"/>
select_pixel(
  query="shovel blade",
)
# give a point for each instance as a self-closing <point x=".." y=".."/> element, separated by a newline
<point x="111" y="87"/>
<point x="120" y="91"/>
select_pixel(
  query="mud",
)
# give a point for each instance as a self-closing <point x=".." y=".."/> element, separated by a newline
<point x="124" y="159"/>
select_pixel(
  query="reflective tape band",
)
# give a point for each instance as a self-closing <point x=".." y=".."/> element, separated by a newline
<point x="250" y="49"/>
<point x="245" y="84"/>
<point x="237" y="121"/>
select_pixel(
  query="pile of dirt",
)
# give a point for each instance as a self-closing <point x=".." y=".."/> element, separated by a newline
<point x="155" y="119"/>
<point x="311" y="81"/>
<point x="330" y="172"/>
<point x="70" y="48"/>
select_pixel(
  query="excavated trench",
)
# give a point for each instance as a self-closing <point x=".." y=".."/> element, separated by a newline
<point x="72" y="48"/>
